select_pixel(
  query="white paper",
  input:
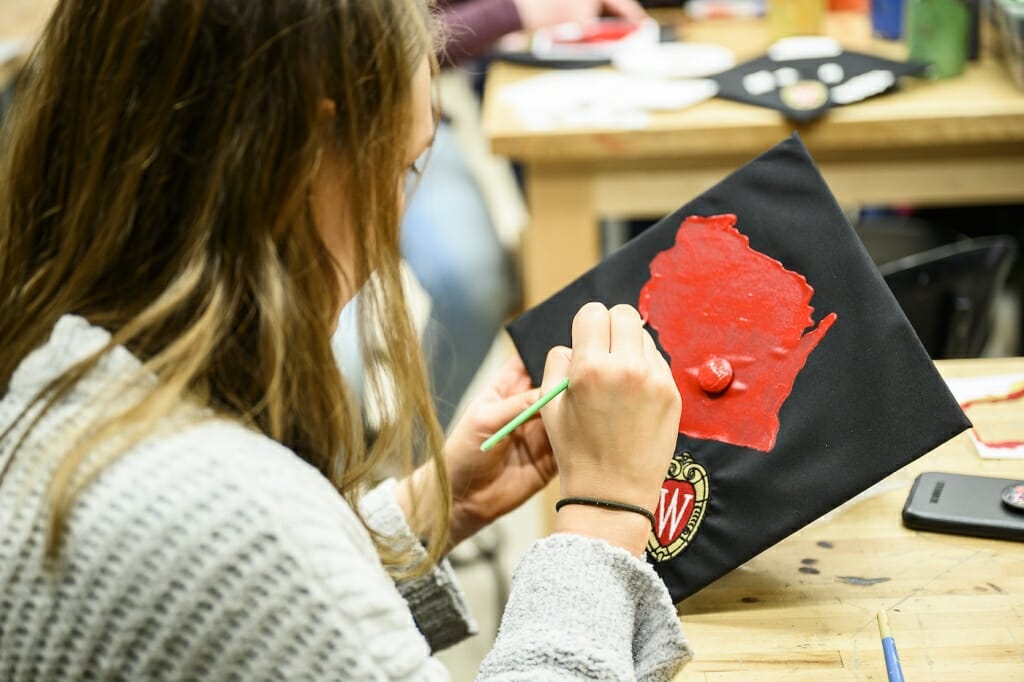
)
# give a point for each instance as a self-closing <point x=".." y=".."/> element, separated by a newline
<point x="967" y="389"/>
<point x="600" y="99"/>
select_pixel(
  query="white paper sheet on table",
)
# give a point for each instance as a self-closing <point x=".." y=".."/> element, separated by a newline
<point x="968" y="389"/>
<point x="599" y="98"/>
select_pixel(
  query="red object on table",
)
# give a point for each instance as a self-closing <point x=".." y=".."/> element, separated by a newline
<point x="848" y="6"/>
<point x="601" y="32"/>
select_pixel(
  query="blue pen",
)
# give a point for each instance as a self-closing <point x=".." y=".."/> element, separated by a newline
<point x="892" y="659"/>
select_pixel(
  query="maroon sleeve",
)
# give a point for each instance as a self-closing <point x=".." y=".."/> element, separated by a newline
<point x="472" y="26"/>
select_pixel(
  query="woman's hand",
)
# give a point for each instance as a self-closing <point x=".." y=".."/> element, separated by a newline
<point x="613" y="432"/>
<point x="487" y="485"/>
<point x="614" y="429"/>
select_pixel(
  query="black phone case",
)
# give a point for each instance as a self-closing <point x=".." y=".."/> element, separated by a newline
<point x="964" y="505"/>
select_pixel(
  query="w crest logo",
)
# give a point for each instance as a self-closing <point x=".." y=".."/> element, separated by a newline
<point x="673" y="512"/>
<point x="684" y="496"/>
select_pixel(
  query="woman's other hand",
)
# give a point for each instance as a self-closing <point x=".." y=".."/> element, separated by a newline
<point x="487" y="485"/>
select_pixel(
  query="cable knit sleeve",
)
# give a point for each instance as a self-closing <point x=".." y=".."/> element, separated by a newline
<point x="438" y="605"/>
<point x="209" y="552"/>
<point x="578" y="608"/>
<point x="582" y="609"/>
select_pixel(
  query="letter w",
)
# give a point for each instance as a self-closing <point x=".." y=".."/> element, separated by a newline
<point x="673" y="515"/>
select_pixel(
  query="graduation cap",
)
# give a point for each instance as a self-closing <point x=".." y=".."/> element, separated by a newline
<point x="804" y="89"/>
<point x="802" y="382"/>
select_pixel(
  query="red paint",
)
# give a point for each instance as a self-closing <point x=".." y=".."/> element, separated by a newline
<point x="674" y="510"/>
<point x="608" y="30"/>
<point x="714" y="375"/>
<point x="1015" y="395"/>
<point x="712" y="296"/>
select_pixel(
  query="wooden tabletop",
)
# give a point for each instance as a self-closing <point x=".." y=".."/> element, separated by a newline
<point x="21" y="20"/>
<point x="982" y="108"/>
<point x="957" y="141"/>
<point x="805" y="609"/>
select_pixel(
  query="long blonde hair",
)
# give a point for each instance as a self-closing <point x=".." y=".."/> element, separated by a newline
<point x="155" y="179"/>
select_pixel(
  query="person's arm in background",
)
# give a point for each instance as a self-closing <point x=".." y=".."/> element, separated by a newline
<point x="473" y="26"/>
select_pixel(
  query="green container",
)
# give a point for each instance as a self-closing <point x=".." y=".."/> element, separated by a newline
<point x="937" y="33"/>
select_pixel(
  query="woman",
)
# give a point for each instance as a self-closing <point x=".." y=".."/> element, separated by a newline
<point x="190" y="191"/>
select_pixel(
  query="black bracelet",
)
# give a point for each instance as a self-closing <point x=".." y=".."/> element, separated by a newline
<point x="606" y="504"/>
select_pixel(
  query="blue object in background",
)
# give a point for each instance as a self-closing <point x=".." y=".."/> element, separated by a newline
<point x="887" y="18"/>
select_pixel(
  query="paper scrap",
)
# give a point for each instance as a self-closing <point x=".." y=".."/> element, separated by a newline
<point x="1001" y="436"/>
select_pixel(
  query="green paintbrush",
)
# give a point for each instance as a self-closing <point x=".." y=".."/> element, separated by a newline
<point x="524" y="415"/>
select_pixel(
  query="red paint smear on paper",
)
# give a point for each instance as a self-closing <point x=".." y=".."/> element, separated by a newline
<point x="713" y="297"/>
<point x="995" y="399"/>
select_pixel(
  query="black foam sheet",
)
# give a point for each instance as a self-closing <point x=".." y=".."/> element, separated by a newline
<point x="853" y="64"/>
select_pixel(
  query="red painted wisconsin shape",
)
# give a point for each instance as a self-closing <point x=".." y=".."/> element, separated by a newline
<point x="737" y="328"/>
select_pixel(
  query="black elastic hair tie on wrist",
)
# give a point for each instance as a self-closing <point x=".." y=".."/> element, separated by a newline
<point x="606" y="504"/>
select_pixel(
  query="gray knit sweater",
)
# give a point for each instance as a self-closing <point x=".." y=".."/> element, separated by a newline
<point x="215" y="553"/>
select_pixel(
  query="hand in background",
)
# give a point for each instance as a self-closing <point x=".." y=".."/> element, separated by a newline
<point x="536" y="14"/>
<point x="487" y="485"/>
<point x="614" y="430"/>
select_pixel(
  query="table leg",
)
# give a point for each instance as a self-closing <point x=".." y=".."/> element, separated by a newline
<point x="562" y="240"/>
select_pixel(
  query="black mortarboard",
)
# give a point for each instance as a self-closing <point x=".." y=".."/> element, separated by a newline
<point x="802" y="381"/>
<point x="804" y="89"/>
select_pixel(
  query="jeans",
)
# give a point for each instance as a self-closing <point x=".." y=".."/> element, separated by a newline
<point x="450" y="243"/>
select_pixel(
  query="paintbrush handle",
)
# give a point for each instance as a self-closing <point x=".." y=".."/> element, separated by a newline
<point x="524" y="415"/>
<point x="892" y="658"/>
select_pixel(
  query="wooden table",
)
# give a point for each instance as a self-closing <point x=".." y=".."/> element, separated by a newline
<point x="805" y="609"/>
<point x="21" y="20"/>
<point x="959" y="141"/>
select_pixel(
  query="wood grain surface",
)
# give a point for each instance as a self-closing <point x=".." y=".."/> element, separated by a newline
<point x="805" y="609"/>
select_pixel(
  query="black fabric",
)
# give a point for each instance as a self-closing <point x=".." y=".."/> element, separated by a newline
<point x="867" y="402"/>
<point x="730" y="83"/>
<point x="528" y="58"/>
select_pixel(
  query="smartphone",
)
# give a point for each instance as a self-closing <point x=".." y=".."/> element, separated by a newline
<point x="966" y="505"/>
